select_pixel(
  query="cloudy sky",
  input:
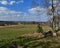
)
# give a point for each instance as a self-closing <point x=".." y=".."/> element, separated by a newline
<point x="22" y="10"/>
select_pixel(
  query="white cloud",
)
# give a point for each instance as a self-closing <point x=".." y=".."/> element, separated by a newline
<point x="9" y="15"/>
<point x="5" y="2"/>
<point x="6" y="10"/>
<point x="41" y="11"/>
<point x="3" y="8"/>
<point x="21" y="1"/>
<point x="25" y="14"/>
<point x="34" y="10"/>
<point x="37" y="10"/>
<point x="12" y="2"/>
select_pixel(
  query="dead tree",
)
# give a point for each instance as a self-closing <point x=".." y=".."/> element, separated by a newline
<point x="54" y="13"/>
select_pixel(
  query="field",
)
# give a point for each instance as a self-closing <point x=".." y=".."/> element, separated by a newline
<point x="14" y="31"/>
<point x="19" y="34"/>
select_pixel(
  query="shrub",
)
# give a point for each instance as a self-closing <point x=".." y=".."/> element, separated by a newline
<point x="39" y="30"/>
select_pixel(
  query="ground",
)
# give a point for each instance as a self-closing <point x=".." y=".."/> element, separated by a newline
<point x="26" y="34"/>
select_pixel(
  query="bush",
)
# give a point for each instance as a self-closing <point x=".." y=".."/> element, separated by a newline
<point x="39" y="30"/>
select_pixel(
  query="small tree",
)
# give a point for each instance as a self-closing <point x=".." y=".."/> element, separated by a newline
<point x="39" y="30"/>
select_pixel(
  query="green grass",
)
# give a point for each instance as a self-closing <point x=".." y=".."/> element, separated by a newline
<point x="10" y="32"/>
<point x="46" y="28"/>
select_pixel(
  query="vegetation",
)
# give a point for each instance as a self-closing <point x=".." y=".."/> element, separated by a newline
<point x="12" y="32"/>
<point x="12" y="36"/>
<point x="39" y="30"/>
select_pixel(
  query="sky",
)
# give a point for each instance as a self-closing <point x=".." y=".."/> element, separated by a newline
<point x="22" y="10"/>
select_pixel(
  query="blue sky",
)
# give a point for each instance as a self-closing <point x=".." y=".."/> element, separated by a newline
<point x="21" y="10"/>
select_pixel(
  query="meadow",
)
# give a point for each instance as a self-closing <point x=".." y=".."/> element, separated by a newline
<point x="14" y="31"/>
<point x="12" y="34"/>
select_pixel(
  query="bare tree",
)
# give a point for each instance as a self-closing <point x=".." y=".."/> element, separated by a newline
<point x="53" y="7"/>
<point x="53" y="11"/>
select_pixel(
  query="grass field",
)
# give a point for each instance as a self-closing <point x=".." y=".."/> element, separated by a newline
<point x="12" y="33"/>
